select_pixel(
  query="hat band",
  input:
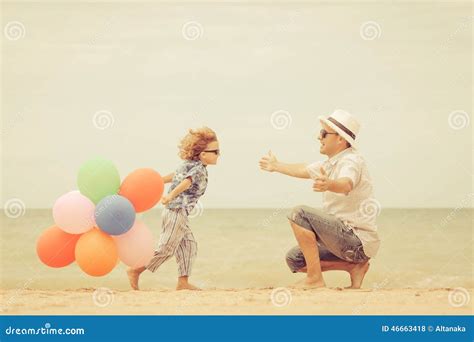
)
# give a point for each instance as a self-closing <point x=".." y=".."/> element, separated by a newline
<point x="344" y="128"/>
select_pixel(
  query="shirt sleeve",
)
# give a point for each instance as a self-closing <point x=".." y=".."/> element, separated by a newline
<point x="195" y="173"/>
<point x="350" y="169"/>
<point x="314" y="169"/>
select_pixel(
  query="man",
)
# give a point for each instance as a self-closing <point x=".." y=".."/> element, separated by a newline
<point x="343" y="234"/>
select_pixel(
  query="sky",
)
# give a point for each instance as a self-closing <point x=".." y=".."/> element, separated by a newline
<point x="126" y="81"/>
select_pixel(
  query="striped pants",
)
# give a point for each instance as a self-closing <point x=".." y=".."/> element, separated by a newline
<point x="176" y="239"/>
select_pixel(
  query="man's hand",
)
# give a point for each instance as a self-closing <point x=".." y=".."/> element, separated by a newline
<point x="268" y="162"/>
<point x="165" y="199"/>
<point x="322" y="182"/>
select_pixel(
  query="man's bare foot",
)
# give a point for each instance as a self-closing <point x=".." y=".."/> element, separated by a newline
<point x="357" y="275"/>
<point x="310" y="283"/>
<point x="133" y="276"/>
<point x="187" y="286"/>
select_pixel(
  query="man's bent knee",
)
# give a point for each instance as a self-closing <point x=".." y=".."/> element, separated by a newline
<point x="295" y="259"/>
<point x="297" y="215"/>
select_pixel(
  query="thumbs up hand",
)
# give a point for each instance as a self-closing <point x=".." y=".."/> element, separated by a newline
<point x="322" y="182"/>
<point x="268" y="162"/>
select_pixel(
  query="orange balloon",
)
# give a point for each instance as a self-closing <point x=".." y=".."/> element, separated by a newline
<point x="96" y="253"/>
<point x="143" y="187"/>
<point x="55" y="247"/>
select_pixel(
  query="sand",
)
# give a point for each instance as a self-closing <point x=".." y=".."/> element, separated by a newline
<point x="239" y="261"/>
<point x="252" y="301"/>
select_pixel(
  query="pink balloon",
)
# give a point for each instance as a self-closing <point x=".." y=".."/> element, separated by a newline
<point x="74" y="213"/>
<point x="135" y="247"/>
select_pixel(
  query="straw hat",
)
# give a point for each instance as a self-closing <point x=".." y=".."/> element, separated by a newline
<point x="344" y="123"/>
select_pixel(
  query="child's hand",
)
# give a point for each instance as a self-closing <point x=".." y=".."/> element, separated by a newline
<point x="268" y="162"/>
<point x="165" y="199"/>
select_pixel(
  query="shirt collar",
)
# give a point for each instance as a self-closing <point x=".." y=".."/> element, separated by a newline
<point x="333" y="160"/>
<point x="197" y="162"/>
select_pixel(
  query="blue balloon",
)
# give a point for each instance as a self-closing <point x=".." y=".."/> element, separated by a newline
<point x="115" y="215"/>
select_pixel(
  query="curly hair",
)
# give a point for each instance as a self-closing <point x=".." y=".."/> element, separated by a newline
<point x="195" y="142"/>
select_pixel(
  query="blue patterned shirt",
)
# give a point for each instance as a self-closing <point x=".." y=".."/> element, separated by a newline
<point x="195" y="170"/>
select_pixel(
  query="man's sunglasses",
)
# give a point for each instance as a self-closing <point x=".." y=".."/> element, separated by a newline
<point x="323" y="133"/>
<point x="216" y="152"/>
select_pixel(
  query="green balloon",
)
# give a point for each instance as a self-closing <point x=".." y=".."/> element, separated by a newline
<point x="97" y="179"/>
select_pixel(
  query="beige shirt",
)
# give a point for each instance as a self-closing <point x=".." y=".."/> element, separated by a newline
<point x="358" y="209"/>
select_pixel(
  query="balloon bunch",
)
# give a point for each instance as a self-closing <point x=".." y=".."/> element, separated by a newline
<point x="97" y="225"/>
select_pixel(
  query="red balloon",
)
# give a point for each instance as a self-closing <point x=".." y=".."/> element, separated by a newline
<point x="143" y="187"/>
<point x="55" y="247"/>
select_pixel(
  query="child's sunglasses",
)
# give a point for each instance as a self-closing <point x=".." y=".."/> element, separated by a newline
<point x="216" y="152"/>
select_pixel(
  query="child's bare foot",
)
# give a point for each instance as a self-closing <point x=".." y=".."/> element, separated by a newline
<point x="358" y="274"/>
<point x="134" y="275"/>
<point x="184" y="285"/>
<point x="187" y="286"/>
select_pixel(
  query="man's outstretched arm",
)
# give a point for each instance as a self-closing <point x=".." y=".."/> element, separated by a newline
<point x="271" y="164"/>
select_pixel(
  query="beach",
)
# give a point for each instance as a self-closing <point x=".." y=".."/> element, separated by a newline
<point x="284" y="301"/>
<point x="424" y="266"/>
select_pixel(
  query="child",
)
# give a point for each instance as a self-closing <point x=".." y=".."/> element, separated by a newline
<point x="198" y="149"/>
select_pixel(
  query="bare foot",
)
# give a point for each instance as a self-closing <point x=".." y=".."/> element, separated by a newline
<point x="310" y="283"/>
<point x="357" y="275"/>
<point x="187" y="286"/>
<point x="133" y="276"/>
